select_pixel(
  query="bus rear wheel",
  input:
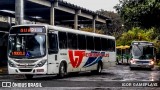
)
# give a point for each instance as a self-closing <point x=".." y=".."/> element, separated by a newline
<point x="29" y="76"/>
<point x="62" y="70"/>
<point x="99" y="69"/>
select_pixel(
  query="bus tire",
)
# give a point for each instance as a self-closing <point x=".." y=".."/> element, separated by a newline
<point x="99" y="69"/>
<point x="62" y="70"/>
<point x="28" y="76"/>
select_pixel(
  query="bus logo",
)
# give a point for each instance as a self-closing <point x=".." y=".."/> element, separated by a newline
<point x="76" y="57"/>
<point x="27" y="54"/>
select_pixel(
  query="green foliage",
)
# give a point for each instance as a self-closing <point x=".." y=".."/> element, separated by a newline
<point x="137" y="34"/>
<point x="140" y="16"/>
<point x="115" y="28"/>
<point x="158" y="64"/>
<point x="140" y="13"/>
<point x="88" y="29"/>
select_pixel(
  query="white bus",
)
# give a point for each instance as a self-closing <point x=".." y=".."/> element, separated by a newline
<point x="143" y="55"/>
<point x="46" y="49"/>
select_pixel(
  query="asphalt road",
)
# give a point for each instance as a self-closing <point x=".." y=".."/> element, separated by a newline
<point x="116" y="78"/>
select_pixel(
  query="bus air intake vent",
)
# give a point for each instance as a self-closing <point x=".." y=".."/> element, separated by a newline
<point x="25" y="70"/>
<point x="25" y="61"/>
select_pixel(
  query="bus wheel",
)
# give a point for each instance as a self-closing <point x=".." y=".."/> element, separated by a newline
<point x="29" y="76"/>
<point x="62" y="70"/>
<point x="99" y="69"/>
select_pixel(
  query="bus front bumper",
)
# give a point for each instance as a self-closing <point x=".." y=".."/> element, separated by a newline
<point x="36" y="70"/>
<point x="141" y="66"/>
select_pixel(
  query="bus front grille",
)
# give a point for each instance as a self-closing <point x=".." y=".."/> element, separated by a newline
<point x="25" y="70"/>
<point x="25" y="61"/>
<point x="139" y="62"/>
<point x="26" y="65"/>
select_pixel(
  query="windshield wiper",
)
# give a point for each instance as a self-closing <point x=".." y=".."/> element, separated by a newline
<point x="139" y="48"/>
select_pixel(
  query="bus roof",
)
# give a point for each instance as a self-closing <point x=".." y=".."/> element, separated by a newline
<point x="63" y="29"/>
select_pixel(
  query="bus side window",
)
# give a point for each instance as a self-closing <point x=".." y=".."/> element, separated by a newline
<point x="72" y="41"/>
<point x="82" y="42"/>
<point x="111" y="45"/>
<point x="104" y="44"/>
<point x="90" y="43"/>
<point x="62" y="40"/>
<point x="53" y="45"/>
<point x="97" y="43"/>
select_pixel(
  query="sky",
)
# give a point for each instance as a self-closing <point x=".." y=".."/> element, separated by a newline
<point x="95" y="4"/>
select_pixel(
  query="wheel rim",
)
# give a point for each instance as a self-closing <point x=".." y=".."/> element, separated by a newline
<point x="62" y="70"/>
<point x="99" y="69"/>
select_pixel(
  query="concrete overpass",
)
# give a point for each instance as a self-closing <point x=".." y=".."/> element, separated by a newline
<point x="54" y="12"/>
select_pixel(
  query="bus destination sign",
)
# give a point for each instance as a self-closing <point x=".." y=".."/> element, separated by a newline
<point x="30" y="30"/>
<point x="26" y="29"/>
<point x="18" y="53"/>
<point x="142" y="43"/>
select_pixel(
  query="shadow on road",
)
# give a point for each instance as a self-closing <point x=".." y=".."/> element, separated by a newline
<point x="142" y="69"/>
<point x="69" y="75"/>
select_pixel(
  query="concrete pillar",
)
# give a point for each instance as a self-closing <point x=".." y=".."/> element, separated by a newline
<point x="19" y="11"/>
<point x="52" y="12"/>
<point x="76" y="21"/>
<point x="94" y="25"/>
<point x="77" y="12"/>
<point x="52" y="15"/>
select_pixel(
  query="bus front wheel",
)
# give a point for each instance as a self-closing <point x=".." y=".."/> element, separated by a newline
<point x="62" y="70"/>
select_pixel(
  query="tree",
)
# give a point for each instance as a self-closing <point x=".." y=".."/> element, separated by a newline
<point x="137" y="34"/>
<point x="115" y="27"/>
<point x="139" y="13"/>
<point x="88" y="29"/>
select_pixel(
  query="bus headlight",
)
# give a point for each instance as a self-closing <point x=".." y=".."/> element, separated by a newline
<point x="151" y="62"/>
<point x="41" y="63"/>
<point x="133" y="61"/>
<point x="11" y="64"/>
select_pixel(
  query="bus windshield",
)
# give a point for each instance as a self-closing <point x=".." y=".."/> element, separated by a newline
<point x="27" y="46"/>
<point x="142" y="52"/>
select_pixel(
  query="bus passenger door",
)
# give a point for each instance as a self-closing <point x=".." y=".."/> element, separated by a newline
<point x="52" y="53"/>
